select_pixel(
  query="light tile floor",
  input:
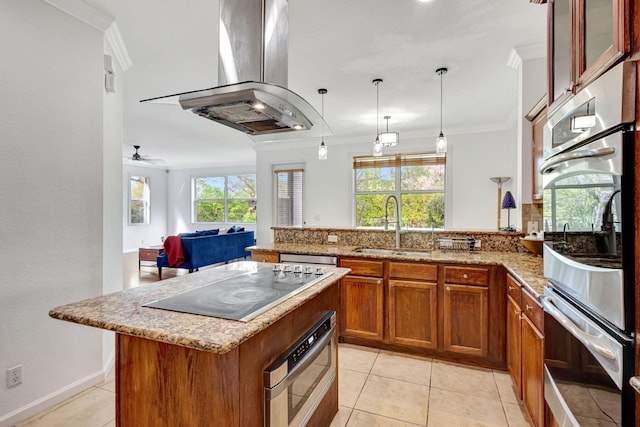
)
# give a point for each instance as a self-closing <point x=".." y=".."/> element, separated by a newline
<point x="376" y="389"/>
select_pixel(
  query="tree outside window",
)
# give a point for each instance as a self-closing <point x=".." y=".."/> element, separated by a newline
<point x="139" y="200"/>
<point x="229" y="198"/>
<point x="417" y="180"/>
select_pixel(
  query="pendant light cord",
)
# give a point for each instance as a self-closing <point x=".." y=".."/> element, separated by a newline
<point x="441" y="102"/>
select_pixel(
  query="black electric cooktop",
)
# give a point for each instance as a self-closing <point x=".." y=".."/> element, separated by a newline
<point x="245" y="296"/>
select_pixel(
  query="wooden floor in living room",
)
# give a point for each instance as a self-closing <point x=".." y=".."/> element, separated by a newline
<point x="147" y="273"/>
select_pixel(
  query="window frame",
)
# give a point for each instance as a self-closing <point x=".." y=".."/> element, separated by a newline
<point x="146" y="200"/>
<point x="397" y="161"/>
<point x="225" y="200"/>
<point x="292" y="167"/>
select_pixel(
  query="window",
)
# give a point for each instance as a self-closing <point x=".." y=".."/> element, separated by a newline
<point x="289" y="197"/>
<point x="139" y="200"/>
<point x="229" y="198"/>
<point x="417" y="181"/>
<point x="579" y="201"/>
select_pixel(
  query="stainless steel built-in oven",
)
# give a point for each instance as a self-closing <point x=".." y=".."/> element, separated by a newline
<point x="298" y="380"/>
<point x="588" y="201"/>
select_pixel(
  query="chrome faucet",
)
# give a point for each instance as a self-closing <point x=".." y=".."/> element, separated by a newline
<point x="608" y="228"/>
<point x="397" y="220"/>
<point x="563" y="245"/>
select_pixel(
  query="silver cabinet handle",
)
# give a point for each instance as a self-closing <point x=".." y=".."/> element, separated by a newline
<point x="582" y="336"/>
<point x="635" y="383"/>
<point x="465" y="275"/>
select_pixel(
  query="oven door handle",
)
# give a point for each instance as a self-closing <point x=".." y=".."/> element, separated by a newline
<point x="550" y="165"/>
<point x="582" y="336"/>
<point x="301" y="366"/>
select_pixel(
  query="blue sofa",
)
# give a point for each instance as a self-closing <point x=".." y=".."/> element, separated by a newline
<point x="201" y="250"/>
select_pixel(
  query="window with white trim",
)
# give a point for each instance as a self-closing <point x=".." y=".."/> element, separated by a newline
<point x="139" y="200"/>
<point x="416" y="180"/>
<point x="228" y="198"/>
<point x="288" y="197"/>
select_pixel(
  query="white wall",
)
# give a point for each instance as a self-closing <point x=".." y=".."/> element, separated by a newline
<point x="328" y="202"/>
<point x="112" y="206"/>
<point x="179" y="196"/>
<point x="136" y="236"/>
<point x="51" y="215"/>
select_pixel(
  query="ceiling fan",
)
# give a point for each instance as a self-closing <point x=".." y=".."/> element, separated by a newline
<point x="137" y="158"/>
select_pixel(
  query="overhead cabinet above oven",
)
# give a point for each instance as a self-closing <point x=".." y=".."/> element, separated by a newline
<point x="586" y="38"/>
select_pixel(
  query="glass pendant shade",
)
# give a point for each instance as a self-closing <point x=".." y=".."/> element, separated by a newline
<point x="322" y="151"/>
<point x="441" y="144"/>
<point x="377" y="148"/>
<point x="441" y="140"/>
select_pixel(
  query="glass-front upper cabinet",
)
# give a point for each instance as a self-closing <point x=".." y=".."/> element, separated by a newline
<point x="560" y="44"/>
<point x="586" y="38"/>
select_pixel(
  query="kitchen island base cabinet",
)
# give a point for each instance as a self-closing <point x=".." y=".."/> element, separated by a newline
<point x="165" y="385"/>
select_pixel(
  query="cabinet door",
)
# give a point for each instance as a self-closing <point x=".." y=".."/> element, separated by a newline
<point x="532" y="371"/>
<point x="413" y="313"/>
<point x="466" y="319"/>
<point x="514" y="344"/>
<point x="361" y="303"/>
<point x="537" y="154"/>
<point x="560" y="55"/>
<point x="603" y="37"/>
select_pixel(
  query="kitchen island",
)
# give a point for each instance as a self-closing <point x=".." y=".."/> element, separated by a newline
<point x="175" y="368"/>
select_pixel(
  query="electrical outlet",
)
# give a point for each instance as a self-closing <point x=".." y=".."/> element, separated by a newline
<point x="477" y="244"/>
<point x="332" y="238"/>
<point x="14" y="376"/>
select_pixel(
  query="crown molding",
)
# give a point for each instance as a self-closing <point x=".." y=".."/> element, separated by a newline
<point x="100" y="21"/>
<point x="523" y="53"/>
<point x="84" y="12"/>
<point x="116" y="42"/>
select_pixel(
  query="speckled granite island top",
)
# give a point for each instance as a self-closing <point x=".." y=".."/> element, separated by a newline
<point x="123" y="311"/>
<point x="525" y="267"/>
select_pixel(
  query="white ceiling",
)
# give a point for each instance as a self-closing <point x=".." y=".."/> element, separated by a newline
<point x="341" y="45"/>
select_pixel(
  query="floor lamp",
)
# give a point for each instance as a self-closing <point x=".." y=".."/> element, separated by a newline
<point x="499" y="180"/>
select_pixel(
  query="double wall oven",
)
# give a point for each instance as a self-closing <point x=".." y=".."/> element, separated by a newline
<point x="588" y="202"/>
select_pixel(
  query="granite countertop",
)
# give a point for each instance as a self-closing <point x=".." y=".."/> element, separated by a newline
<point x="526" y="267"/>
<point x="123" y="311"/>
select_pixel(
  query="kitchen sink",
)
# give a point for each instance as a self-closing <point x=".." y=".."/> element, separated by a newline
<point x="400" y="252"/>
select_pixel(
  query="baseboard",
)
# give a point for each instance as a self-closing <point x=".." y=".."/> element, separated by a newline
<point x="109" y="365"/>
<point x="51" y="399"/>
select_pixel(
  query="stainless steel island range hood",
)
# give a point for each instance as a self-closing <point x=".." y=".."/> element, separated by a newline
<point x="252" y="95"/>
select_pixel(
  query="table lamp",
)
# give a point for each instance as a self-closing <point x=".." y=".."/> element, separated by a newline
<point x="508" y="203"/>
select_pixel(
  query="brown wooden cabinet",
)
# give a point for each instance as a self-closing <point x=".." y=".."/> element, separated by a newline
<point x="586" y="38"/>
<point x="532" y="371"/>
<point x="413" y="304"/>
<point x="444" y="310"/>
<point x="273" y="257"/>
<point x="466" y="310"/>
<point x="466" y="319"/>
<point x="362" y="299"/>
<point x="525" y="348"/>
<point x="514" y="343"/>
<point x="538" y="118"/>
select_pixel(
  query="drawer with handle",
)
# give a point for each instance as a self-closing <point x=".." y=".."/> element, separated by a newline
<point x="467" y="275"/>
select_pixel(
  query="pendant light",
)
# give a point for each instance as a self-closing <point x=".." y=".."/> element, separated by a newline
<point x="377" y="145"/>
<point x="389" y="139"/>
<point x="322" y="149"/>
<point x="441" y="141"/>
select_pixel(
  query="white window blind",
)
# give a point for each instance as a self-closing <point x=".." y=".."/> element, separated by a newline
<point x="289" y="197"/>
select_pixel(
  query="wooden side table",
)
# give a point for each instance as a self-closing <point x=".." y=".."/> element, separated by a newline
<point x="149" y="253"/>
